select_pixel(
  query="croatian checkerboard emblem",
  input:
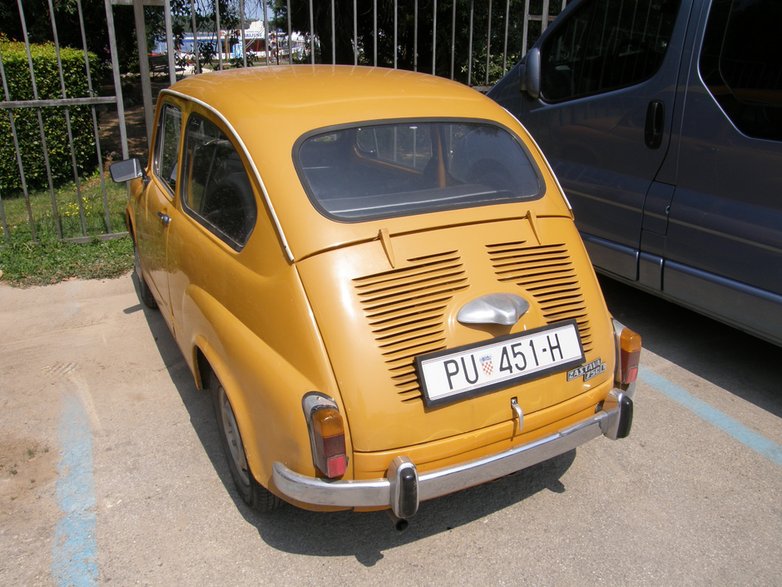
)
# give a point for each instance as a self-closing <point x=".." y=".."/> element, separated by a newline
<point x="486" y="364"/>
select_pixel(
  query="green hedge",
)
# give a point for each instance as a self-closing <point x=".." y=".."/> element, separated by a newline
<point x="47" y="81"/>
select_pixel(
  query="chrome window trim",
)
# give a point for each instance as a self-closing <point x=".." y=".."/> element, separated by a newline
<point x="250" y="160"/>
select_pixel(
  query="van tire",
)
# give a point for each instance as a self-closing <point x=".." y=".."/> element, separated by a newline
<point x="253" y="494"/>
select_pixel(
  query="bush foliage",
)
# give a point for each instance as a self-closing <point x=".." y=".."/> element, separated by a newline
<point x="47" y="80"/>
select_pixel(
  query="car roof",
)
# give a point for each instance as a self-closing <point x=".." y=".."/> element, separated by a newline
<point x="270" y="108"/>
<point x="313" y="96"/>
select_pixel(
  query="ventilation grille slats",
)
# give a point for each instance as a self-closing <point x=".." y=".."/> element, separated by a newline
<point x="546" y="272"/>
<point x="405" y="309"/>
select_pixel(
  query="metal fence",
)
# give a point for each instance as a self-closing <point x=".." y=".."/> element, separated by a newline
<point x="472" y="42"/>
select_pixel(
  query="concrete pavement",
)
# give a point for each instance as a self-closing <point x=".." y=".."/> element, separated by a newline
<point x="111" y="470"/>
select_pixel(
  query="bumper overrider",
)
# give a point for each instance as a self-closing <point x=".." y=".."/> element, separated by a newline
<point x="404" y="488"/>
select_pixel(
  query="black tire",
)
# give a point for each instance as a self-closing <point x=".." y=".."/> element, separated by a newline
<point x="253" y="494"/>
<point x="143" y="289"/>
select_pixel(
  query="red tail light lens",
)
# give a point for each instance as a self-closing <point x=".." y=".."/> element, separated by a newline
<point x="327" y="434"/>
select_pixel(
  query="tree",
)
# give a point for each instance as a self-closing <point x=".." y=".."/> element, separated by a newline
<point x="412" y="51"/>
<point x="39" y="28"/>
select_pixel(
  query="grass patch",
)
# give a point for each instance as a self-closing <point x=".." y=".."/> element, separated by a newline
<point x="97" y="218"/>
<point x="46" y="259"/>
<point x="52" y="261"/>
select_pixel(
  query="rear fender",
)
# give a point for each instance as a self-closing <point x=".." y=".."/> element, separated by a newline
<point x="264" y="388"/>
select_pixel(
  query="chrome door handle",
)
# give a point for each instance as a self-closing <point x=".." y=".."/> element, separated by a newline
<point x="165" y="219"/>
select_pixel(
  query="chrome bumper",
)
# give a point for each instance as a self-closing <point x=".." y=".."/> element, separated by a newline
<point x="403" y="489"/>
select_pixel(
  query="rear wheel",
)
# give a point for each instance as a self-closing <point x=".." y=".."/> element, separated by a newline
<point x="257" y="497"/>
<point x="143" y="289"/>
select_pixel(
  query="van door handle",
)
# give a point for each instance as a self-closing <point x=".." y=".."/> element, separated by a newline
<point x="655" y="120"/>
<point x="165" y="219"/>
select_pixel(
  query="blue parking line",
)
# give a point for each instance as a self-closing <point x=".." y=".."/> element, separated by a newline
<point x="757" y="442"/>
<point x="74" y="553"/>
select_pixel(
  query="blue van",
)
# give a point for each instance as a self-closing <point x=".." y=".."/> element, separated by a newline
<point x="663" y="121"/>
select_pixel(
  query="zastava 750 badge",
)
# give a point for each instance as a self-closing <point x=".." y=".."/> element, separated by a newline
<point x="588" y="371"/>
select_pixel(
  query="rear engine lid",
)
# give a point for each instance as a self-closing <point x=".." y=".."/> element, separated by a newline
<point x="381" y="304"/>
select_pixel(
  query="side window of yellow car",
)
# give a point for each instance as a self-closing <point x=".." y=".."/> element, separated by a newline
<point x="167" y="146"/>
<point x="217" y="191"/>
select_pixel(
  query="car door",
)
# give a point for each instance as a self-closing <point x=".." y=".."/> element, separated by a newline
<point x="158" y="205"/>
<point x="213" y="223"/>
<point x="724" y="240"/>
<point x="599" y="97"/>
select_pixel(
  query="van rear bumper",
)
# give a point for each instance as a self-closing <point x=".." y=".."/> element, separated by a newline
<point x="404" y="488"/>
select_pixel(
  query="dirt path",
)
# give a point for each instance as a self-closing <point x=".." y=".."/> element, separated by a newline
<point x="134" y="123"/>
<point x="58" y="347"/>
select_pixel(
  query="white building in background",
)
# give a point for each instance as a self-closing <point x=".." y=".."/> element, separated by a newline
<point x="255" y="44"/>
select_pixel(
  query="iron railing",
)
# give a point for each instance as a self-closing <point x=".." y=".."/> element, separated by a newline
<point x="472" y="42"/>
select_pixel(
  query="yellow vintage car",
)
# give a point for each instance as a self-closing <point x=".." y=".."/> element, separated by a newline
<point x="379" y="279"/>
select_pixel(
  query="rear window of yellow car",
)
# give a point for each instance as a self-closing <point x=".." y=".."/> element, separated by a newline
<point x="378" y="170"/>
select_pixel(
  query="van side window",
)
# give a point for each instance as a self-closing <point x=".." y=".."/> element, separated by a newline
<point x="606" y="45"/>
<point x="167" y="147"/>
<point x="740" y="63"/>
<point x="217" y="191"/>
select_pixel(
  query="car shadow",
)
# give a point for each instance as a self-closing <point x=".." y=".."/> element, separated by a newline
<point x="198" y="403"/>
<point x="743" y="365"/>
<point x="364" y="535"/>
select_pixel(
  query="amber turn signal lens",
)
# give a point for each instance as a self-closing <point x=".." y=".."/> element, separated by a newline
<point x="327" y="422"/>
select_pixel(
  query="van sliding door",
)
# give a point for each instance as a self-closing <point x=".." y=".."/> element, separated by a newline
<point x="726" y="214"/>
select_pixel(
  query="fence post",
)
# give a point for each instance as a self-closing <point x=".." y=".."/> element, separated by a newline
<point x="115" y="74"/>
<point x="143" y="62"/>
<point x="76" y="178"/>
<point x="170" y="41"/>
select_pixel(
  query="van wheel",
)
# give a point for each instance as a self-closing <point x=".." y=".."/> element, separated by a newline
<point x="143" y="289"/>
<point x="257" y="497"/>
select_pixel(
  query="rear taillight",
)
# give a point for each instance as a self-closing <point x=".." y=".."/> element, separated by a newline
<point x="628" y="347"/>
<point x="327" y="434"/>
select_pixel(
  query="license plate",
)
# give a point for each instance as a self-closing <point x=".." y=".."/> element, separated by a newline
<point x="473" y="369"/>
